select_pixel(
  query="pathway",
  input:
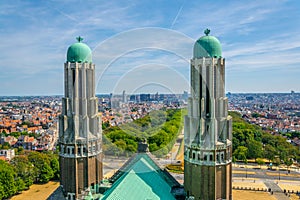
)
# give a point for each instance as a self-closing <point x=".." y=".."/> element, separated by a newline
<point x="278" y="193"/>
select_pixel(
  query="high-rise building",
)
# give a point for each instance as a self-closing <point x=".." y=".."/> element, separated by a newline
<point x="144" y="97"/>
<point x="80" y="133"/>
<point x="124" y="97"/>
<point x="207" y="134"/>
<point x="185" y="95"/>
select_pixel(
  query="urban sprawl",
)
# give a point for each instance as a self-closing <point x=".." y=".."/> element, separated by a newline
<point x="31" y="123"/>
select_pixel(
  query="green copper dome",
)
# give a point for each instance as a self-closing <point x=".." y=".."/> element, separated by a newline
<point x="207" y="46"/>
<point x="79" y="52"/>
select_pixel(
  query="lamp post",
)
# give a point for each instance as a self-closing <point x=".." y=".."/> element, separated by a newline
<point x="278" y="173"/>
<point x="246" y="161"/>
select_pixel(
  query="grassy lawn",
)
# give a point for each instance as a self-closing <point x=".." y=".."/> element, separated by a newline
<point x="42" y="191"/>
<point x="252" y="184"/>
<point x="250" y="195"/>
<point x="289" y="185"/>
<point x="294" y="197"/>
<point x="242" y="172"/>
<point x="282" y="174"/>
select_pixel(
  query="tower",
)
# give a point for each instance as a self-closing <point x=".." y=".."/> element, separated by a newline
<point x="124" y="97"/>
<point x="80" y="133"/>
<point x="207" y="128"/>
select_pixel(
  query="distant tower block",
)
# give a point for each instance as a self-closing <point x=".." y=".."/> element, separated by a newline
<point x="124" y="97"/>
<point x="207" y="128"/>
<point x="80" y="133"/>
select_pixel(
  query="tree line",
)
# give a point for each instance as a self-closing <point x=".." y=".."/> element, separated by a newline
<point x="251" y="142"/>
<point x="24" y="170"/>
<point x="159" y="127"/>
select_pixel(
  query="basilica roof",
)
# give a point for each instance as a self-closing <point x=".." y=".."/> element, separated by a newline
<point x="141" y="178"/>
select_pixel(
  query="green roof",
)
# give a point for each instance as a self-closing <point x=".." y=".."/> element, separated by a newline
<point x="207" y="46"/>
<point x="79" y="52"/>
<point x="142" y="179"/>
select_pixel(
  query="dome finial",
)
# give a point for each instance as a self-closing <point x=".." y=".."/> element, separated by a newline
<point x="79" y="52"/>
<point x="79" y="39"/>
<point x="206" y="31"/>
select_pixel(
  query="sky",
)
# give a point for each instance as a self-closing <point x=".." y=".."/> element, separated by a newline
<point x="146" y="46"/>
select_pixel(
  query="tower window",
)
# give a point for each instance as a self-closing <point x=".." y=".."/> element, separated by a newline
<point x="199" y="156"/>
<point x="205" y="157"/>
<point x="218" y="157"/>
<point x="194" y="155"/>
<point x="73" y="76"/>
<point x="62" y="149"/>
<point x="222" y="157"/>
<point x="210" y="157"/>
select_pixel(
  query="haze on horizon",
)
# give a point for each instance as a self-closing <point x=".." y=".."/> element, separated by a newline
<point x="145" y="47"/>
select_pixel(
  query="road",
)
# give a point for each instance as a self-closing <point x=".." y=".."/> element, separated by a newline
<point x="265" y="174"/>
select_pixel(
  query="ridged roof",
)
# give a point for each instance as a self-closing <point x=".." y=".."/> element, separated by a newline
<point x="141" y="178"/>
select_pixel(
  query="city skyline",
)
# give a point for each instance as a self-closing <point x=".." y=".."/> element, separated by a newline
<point x="146" y="47"/>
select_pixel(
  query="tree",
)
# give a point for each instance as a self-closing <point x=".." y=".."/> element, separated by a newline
<point x="269" y="152"/>
<point x="131" y="148"/>
<point x="153" y="147"/>
<point x="121" y="144"/>
<point x="105" y="125"/>
<point x="24" y="169"/>
<point x="7" y="179"/>
<point x="46" y="174"/>
<point x="252" y="137"/>
<point x="255" y="115"/>
<point x="19" y="150"/>
<point x="55" y="167"/>
<point x="260" y="162"/>
<point x="161" y="152"/>
<point x="267" y="138"/>
<point x="241" y="153"/>
<point x="111" y="149"/>
<point x="6" y="145"/>
<point x="288" y="162"/>
<point x="233" y="159"/>
<point x="254" y="149"/>
<point x="42" y="170"/>
<point x="235" y="143"/>
<point x="20" y="184"/>
<point x="276" y="161"/>
<point x="2" y="192"/>
<point x="159" y="127"/>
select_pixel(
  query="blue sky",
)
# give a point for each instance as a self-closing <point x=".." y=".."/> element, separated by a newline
<point x="145" y="46"/>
